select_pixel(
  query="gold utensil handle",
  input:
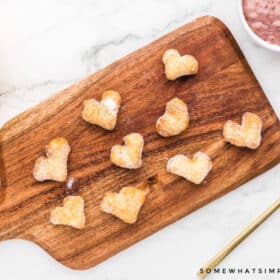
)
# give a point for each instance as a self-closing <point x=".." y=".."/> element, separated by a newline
<point x="237" y="240"/>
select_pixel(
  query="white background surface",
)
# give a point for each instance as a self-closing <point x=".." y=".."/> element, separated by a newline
<point x="47" y="45"/>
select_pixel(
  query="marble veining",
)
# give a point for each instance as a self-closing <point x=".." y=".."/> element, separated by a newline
<point x="46" y="46"/>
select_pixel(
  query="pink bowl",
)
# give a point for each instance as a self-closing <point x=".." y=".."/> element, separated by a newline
<point x="253" y="35"/>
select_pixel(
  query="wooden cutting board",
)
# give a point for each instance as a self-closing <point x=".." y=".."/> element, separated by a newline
<point x="224" y="88"/>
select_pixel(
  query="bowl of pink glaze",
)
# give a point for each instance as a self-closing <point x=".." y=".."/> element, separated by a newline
<point x="261" y="19"/>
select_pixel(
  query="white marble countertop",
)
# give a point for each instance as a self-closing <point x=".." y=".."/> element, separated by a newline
<point x="47" y="45"/>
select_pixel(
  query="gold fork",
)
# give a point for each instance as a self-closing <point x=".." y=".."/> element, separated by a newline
<point x="237" y="240"/>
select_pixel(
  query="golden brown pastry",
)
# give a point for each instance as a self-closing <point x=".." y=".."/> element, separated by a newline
<point x="71" y="214"/>
<point x="175" y="120"/>
<point x="126" y="204"/>
<point x="177" y="66"/>
<point x="194" y="170"/>
<point x="54" y="166"/>
<point x="128" y="155"/>
<point x="248" y="134"/>
<point x="105" y="112"/>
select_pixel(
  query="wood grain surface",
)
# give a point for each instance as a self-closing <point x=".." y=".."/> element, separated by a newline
<point x="224" y="88"/>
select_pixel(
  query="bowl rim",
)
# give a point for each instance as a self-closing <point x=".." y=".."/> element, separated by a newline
<point x="253" y="35"/>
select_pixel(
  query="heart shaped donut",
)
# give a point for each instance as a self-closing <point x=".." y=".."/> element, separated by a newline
<point x="175" y="120"/>
<point x="126" y="204"/>
<point x="130" y="154"/>
<point x="54" y="166"/>
<point x="248" y="134"/>
<point x="71" y="214"/>
<point x="177" y="66"/>
<point x="105" y="112"/>
<point x="194" y="170"/>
